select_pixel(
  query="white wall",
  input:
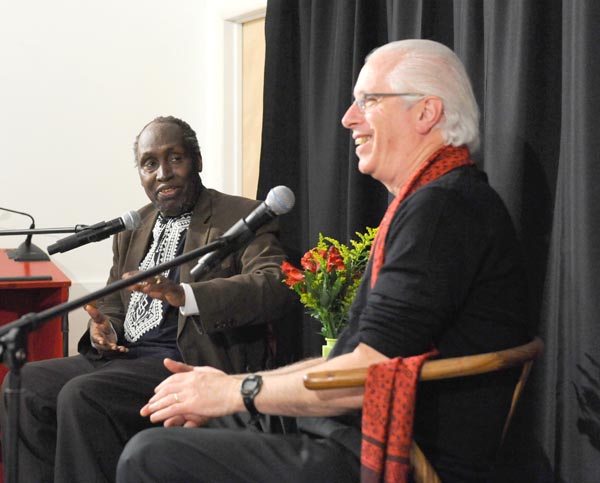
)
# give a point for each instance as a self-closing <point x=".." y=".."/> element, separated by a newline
<point x="78" y="80"/>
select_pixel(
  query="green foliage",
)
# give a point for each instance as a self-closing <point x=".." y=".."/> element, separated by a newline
<point x="330" y="278"/>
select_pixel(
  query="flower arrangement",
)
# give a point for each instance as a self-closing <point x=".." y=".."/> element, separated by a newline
<point x="329" y="279"/>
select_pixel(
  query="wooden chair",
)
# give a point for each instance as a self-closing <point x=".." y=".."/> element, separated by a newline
<point x="421" y="469"/>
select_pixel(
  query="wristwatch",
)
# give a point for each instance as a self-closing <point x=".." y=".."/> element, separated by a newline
<point x="250" y="388"/>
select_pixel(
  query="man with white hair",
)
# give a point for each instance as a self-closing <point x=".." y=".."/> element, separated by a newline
<point x="445" y="272"/>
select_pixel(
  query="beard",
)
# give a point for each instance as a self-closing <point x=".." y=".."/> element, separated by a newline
<point x="170" y="209"/>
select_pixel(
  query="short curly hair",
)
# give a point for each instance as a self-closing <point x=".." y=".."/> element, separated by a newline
<point x="188" y="135"/>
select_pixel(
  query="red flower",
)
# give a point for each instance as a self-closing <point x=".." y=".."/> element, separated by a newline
<point x="334" y="259"/>
<point x="328" y="279"/>
<point x="309" y="262"/>
<point x="293" y="275"/>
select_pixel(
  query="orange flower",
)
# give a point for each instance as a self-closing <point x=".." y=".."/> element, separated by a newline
<point x="334" y="259"/>
<point x="310" y="262"/>
<point x="293" y="275"/>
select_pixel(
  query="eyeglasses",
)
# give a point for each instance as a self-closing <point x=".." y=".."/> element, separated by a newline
<point x="369" y="99"/>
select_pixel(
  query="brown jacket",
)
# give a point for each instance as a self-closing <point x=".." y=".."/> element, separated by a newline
<point x="237" y="300"/>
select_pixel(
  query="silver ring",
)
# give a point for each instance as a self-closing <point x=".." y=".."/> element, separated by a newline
<point x="158" y="279"/>
<point x="176" y="397"/>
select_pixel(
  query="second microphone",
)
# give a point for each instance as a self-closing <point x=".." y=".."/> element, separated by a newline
<point x="279" y="200"/>
<point x="100" y="231"/>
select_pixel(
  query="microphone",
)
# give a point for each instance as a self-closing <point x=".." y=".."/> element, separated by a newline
<point x="128" y="221"/>
<point x="26" y="251"/>
<point x="279" y="200"/>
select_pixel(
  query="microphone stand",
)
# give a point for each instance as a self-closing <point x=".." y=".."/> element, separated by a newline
<point x="45" y="231"/>
<point x="13" y="343"/>
<point x="27" y="251"/>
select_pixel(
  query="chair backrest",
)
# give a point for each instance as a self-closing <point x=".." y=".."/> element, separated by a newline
<point x="523" y="355"/>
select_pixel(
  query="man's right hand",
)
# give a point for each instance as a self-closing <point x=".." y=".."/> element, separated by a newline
<point x="102" y="333"/>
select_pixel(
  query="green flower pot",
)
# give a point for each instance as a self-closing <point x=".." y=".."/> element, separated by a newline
<point x="326" y="349"/>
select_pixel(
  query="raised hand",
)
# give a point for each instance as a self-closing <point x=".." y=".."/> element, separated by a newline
<point x="159" y="287"/>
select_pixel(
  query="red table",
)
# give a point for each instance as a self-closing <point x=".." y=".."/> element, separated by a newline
<point x="24" y="294"/>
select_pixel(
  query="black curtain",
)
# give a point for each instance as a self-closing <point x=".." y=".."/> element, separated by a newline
<point x="533" y="64"/>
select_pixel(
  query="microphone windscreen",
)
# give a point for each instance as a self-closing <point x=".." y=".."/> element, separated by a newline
<point x="131" y="220"/>
<point x="280" y="200"/>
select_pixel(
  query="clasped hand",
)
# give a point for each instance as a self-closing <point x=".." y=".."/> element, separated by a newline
<point x="191" y="396"/>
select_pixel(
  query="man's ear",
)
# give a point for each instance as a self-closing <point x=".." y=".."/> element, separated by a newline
<point x="431" y="111"/>
<point x="199" y="163"/>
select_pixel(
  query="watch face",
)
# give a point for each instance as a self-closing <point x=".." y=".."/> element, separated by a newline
<point x="249" y="385"/>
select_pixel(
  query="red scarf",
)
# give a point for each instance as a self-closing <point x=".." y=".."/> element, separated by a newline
<point x="387" y="419"/>
<point x="441" y="162"/>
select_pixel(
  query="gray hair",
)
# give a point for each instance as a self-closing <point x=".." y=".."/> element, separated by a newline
<point x="431" y="68"/>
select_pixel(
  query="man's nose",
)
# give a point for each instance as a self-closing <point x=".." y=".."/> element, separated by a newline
<point x="164" y="170"/>
<point x="352" y="116"/>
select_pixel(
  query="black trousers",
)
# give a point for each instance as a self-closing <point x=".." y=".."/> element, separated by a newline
<point x="221" y="453"/>
<point x="76" y="415"/>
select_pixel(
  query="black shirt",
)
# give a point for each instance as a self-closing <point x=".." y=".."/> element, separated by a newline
<point x="452" y="277"/>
